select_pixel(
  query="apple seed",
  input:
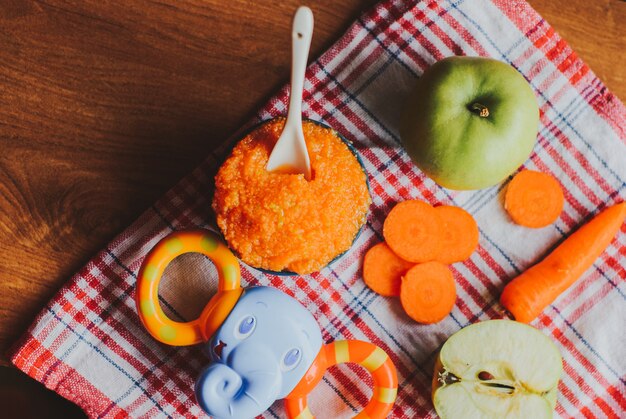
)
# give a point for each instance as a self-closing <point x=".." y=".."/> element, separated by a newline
<point x="484" y="375"/>
<point x="505" y="388"/>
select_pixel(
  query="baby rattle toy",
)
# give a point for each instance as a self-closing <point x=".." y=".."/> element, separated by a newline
<point x="263" y="344"/>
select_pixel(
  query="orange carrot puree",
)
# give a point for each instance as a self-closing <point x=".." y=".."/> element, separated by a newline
<point x="280" y="221"/>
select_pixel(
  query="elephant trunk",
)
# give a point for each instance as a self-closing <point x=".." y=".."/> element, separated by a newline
<point x="243" y="387"/>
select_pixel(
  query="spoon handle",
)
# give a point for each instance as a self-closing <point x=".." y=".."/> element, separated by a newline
<point x="290" y="154"/>
<point x="301" y="34"/>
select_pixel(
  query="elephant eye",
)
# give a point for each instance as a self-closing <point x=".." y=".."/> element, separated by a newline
<point x="291" y="359"/>
<point x="246" y="327"/>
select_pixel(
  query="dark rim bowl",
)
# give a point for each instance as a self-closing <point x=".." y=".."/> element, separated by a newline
<point x="356" y="154"/>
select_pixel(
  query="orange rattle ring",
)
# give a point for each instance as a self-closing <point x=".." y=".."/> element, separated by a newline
<point x="371" y="357"/>
<point x="219" y="307"/>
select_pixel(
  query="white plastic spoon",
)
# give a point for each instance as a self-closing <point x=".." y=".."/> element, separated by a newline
<point x="290" y="154"/>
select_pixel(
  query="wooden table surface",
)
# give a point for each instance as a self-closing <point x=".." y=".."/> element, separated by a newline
<point x="105" y="105"/>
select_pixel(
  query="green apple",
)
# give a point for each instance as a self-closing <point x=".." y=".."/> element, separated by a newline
<point x="470" y="122"/>
<point x="497" y="369"/>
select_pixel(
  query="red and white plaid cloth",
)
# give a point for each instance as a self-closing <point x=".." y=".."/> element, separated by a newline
<point x="89" y="346"/>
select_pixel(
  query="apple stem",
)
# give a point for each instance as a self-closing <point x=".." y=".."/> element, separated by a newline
<point x="480" y="109"/>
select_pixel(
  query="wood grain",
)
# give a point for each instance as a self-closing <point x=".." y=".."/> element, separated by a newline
<point x="105" y="105"/>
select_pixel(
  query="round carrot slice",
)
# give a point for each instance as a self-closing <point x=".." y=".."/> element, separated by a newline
<point x="428" y="292"/>
<point x="412" y="230"/>
<point x="383" y="270"/>
<point x="459" y="235"/>
<point x="534" y="199"/>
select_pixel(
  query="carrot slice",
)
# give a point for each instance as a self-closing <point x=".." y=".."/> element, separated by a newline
<point x="412" y="230"/>
<point x="383" y="270"/>
<point x="534" y="199"/>
<point x="459" y="236"/>
<point x="428" y="292"/>
<point x="526" y="296"/>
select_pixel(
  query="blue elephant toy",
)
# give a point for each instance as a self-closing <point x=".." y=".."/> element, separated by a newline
<point x="263" y="345"/>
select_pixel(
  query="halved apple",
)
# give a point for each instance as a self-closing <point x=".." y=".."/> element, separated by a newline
<point x="497" y="369"/>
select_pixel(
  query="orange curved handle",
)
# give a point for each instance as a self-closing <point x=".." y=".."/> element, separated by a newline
<point x="371" y="357"/>
<point x="152" y="316"/>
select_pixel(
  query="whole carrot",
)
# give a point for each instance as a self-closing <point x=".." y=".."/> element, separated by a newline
<point x="526" y="296"/>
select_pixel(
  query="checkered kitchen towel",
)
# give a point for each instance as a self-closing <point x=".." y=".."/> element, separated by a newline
<point x="89" y="346"/>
